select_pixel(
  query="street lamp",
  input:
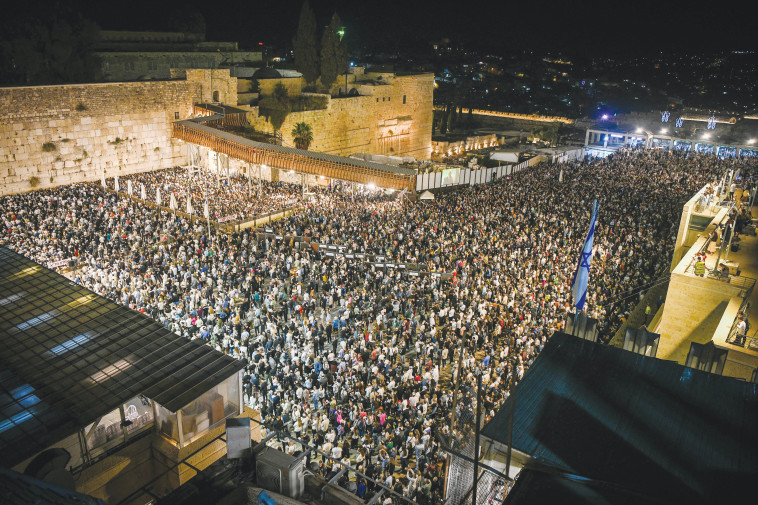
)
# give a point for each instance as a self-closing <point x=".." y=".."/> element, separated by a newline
<point x="341" y="33"/>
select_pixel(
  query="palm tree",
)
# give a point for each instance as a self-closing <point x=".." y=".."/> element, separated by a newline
<point x="302" y="135"/>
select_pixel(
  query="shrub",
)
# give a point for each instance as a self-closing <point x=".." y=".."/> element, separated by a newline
<point x="65" y="140"/>
<point x="34" y="181"/>
<point x="51" y="179"/>
<point x="48" y="147"/>
<point x="80" y="107"/>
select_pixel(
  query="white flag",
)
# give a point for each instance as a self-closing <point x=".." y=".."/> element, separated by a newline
<point x="172" y="202"/>
<point x="189" y="205"/>
<point x="102" y="179"/>
<point x="129" y="187"/>
<point x="205" y="210"/>
<point x="115" y="183"/>
<point x="560" y="177"/>
<point x="158" y="196"/>
<point x="142" y="193"/>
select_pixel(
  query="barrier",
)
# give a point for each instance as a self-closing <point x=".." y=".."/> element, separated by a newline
<point x="471" y="176"/>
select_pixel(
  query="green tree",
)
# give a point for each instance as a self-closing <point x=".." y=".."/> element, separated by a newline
<point x="452" y="119"/>
<point x="333" y="52"/>
<point x="187" y="21"/>
<point x="49" y="50"/>
<point x="276" y="107"/>
<point x="302" y="134"/>
<point x="304" y="43"/>
<point x="548" y="133"/>
<point x="443" y="121"/>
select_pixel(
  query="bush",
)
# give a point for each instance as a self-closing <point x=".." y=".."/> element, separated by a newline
<point x="48" y="147"/>
<point x="34" y="181"/>
<point x="309" y="102"/>
<point x="80" y="107"/>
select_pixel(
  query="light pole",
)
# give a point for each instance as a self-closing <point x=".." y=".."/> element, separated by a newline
<point x="341" y="33"/>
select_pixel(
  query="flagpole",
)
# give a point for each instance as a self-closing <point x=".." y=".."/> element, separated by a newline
<point x="582" y="273"/>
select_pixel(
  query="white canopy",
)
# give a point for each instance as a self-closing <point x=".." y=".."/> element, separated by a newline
<point x="427" y="195"/>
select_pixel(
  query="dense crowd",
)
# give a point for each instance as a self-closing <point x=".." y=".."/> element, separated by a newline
<point x="349" y="357"/>
<point x="234" y="196"/>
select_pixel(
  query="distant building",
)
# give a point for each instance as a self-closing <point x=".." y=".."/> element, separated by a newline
<point x="133" y="56"/>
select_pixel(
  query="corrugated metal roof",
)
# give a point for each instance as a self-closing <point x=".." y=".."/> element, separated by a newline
<point x="291" y="150"/>
<point x="646" y="424"/>
<point x="69" y="356"/>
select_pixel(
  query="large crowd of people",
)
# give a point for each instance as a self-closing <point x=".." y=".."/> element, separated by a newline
<point x="235" y="196"/>
<point x="352" y="358"/>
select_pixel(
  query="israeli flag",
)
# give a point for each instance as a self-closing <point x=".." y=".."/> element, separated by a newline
<point x="582" y="274"/>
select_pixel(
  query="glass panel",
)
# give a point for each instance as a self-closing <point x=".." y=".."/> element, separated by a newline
<point x="211" y="409"/>
<point x="168" y="426"/>
<point x="106" y="434"/>
<point x="138" y="410"/>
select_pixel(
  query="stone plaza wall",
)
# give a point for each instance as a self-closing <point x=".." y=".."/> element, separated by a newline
<point x="395" y="119"/>
<point x="56" y="135"/>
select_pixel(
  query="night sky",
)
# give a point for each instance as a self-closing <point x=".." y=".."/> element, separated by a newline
<point x="500" y="26"/>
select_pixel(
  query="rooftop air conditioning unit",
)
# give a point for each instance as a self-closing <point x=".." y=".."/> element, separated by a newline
<point x="279" y="472"/>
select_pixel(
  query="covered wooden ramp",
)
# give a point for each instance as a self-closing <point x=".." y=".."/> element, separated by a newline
<point x="287" y="158"/>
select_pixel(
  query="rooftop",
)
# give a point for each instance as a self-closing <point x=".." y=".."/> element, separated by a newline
<point x="69" y="356"/>
<point x="637" y="423"/>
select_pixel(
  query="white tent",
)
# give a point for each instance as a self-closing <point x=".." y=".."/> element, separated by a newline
<point x="427" y="195"/>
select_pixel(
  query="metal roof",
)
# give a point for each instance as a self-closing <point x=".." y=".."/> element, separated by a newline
<point x="69" y="356"/>
<point x="291" y="150"/>
<point x="20" y="489"/>
<point x="543" y="487"/>
<point x="649" y="425"/>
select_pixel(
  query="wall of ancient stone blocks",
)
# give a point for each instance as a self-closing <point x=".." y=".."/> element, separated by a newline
<point x="55" y="135"/>
<point x="392" y="118"/>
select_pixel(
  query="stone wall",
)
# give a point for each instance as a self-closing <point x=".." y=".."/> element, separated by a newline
<point x="392" y="118"/>
<point x="216" y="85"/>
<point x="150" y="65"/>
<point x="58" y="135"/>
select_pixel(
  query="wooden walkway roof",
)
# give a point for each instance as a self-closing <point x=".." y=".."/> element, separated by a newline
<point x="287" y="158"/>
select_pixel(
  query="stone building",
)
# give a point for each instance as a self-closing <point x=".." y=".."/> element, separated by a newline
<point x="381" y="113"/>
<point x="139" y="56"/>
<point x="56" y="135"/>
